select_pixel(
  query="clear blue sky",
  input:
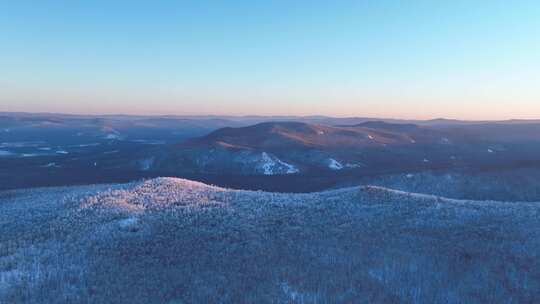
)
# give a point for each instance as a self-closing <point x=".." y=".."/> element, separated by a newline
<point x="408" y="59"/>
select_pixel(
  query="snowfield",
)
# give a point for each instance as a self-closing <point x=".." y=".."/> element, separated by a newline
<point x="170" y="240"/>
<point x="271" y="165"/>
<point x="334" y="164"/>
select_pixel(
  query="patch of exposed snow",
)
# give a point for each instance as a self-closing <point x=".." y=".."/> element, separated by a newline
<point x="352" y="166"/>
<point x="268" y="164"/>
<point x="410" y="175"/>
<point x="50" y="165"/>
<point x="128" y="222"/>
<point x="149" y="142"/>
<point x="290" y="168"/>
<point x="296" y="296"/>
<point x="426" y="160"/>
<point x="45" y="149"/>
<point x="334" y="164"/>
<point x="291" y="293"/>
<point x="29" y="155"/>
<point x="445" y="140"/>
<point x="272" y="165"/>
<point x="146" y="164"/>
<point x="6" y="153"/>
<point x="62" y="152"/>
<point x="112" y="136"/>
<point x="490" y="151"/>
<point x="22" y="144"/>
<point x="85" y="145"/>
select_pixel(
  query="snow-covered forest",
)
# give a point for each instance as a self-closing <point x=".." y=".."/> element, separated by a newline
<point x="175" y="241"/>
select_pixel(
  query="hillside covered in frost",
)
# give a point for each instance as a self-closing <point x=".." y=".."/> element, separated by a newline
<point x="175" y="241"/>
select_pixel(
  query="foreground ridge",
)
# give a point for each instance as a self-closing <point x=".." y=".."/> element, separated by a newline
<point x="174" y="240"/>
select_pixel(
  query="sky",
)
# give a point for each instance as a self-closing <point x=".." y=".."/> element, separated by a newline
<point x="403" y="59"/>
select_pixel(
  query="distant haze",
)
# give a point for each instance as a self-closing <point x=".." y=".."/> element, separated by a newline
<point x="401" y="59"/>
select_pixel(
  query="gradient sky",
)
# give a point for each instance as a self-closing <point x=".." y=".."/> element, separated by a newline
<point x="404" y="59"/>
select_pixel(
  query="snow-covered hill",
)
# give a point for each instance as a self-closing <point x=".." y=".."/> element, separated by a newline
<point x="170" y="240"/>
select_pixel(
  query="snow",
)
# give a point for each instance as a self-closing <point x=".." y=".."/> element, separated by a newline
<point x="146" y="164"/>
<point x="445" y="140"/>
<point x="334" y="164"/>
<point x="426" y="160"/>
<point x="149" y="141"/>
<point x="272" y="165"/>
<point x="22" y="144"/>
<point x="128" y="222"/>
<point x="50" y="165"/>
<point x="416" y="196"/>
<point x="290" y="168"/>
<point x="112" y="136"/>
<point x="429" y="243"/>
<point x="29" y="155"/>
<point x="5" y="153"/>
<point x="268" y="164"/>
<point x="490" y="151"/>
<point x="85" y="145"/>
<point x="62" y="152"/>
<point x="295" y="296"/>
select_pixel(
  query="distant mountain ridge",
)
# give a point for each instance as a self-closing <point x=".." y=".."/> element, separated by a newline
<point x="275" y="135"/>
<point x="290" y="147"/>
<point x="322" y="147"/>
<point x="293" y="147"/>
<point x="254" y="119"/>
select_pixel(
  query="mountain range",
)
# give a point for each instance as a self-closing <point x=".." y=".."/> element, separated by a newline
<point x="294" y="154"/>
<point x="296" y="147"/>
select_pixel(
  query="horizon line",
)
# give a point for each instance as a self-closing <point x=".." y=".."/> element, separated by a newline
<point x="264" y="116"/>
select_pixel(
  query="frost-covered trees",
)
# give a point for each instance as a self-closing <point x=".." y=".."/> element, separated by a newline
<point x="168" y="240"/>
